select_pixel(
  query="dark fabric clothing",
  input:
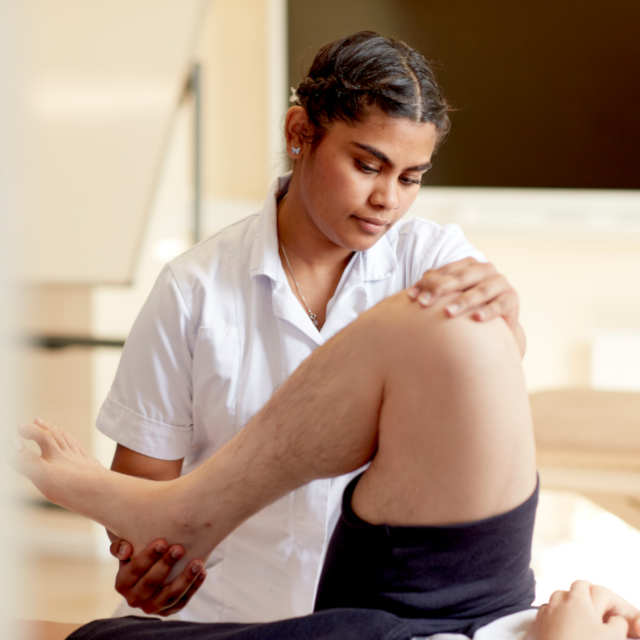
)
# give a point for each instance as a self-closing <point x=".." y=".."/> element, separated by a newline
<point x="335" y="624"/>
<point x="386" y="583"/>
<point x="465" y="575"/>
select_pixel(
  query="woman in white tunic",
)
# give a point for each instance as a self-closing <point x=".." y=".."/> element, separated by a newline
<point x="227" y="322"/>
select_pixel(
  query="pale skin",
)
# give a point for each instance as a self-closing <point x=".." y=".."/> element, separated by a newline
<point x="344" y="195"/>
<point x="587" y="612"/>
<point x="457" y="449"/>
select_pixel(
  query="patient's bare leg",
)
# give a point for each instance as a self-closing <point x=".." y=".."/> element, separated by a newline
<point x="455" y="432"/>
<point x="404" y="384"/>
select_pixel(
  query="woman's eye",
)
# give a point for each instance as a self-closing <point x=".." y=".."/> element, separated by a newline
<point x="407" y="180"/>
<point x="367" y="168"/>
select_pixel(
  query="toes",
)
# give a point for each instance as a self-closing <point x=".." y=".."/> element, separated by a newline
<point x="41" y="436"/>
<point x="28" y="463"/>
<point x="72" y="443"/>
<point x="56" y="433"/>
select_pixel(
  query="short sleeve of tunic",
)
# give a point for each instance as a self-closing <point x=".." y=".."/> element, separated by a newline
<point x="425" y="245"/>
<point x="148" y="408"/>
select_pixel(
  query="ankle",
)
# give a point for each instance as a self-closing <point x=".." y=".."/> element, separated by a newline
<point x="187" y="509"/>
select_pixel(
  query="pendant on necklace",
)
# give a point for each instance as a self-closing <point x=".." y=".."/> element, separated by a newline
<point x="314" y="319"/>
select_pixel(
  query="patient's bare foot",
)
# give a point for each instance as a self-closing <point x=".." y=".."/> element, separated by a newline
<point x="62" y="462"/>
<point x="135" y="509"/>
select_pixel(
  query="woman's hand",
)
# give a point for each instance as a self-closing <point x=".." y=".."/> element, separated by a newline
<point x="484" y="293"/>
<point x="587" y="612"/>
<point x="141" y="578"/>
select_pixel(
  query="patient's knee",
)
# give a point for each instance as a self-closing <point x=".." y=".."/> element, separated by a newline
<point x="405" y="332"/>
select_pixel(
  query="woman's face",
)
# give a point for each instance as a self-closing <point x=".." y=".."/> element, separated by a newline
<point x="362" y="177"/>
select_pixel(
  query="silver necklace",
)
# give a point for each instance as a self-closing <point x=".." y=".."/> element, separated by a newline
<point x="312" y="316"/>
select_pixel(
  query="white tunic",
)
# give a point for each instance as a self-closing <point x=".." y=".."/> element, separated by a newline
<point x="219" y="332"/>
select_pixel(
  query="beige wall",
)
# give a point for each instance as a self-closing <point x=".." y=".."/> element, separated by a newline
<point x="11" y="157"/>
<point x="573" y="286"/>
<point x="101" y="84"/>
<point x="241" y="49"/>
<point x="244" y="68"/>
<point x="59" y="384"/>
<point x="571" y="255"/>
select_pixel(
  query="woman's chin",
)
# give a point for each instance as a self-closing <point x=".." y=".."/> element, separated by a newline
<point x="365" y="242"/>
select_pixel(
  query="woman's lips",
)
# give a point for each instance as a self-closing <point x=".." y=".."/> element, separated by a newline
<point x="371" y="225"/>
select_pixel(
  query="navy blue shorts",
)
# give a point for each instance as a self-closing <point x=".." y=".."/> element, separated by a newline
<point x="386" y="583"/>
<point x="453" y="578"/>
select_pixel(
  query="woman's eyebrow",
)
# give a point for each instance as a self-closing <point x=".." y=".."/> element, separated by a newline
<point x="384" y="158"/>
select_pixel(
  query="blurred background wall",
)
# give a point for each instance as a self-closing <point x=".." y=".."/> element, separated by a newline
<point x="109" y="172"/>
<point x="10" y="373"/>
<point x="541" y="92"/>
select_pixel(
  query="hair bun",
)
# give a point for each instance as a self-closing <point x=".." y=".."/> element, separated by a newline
<point x="352" y="74"/>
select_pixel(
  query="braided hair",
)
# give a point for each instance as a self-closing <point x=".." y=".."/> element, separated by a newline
<point x="365" y="70"/>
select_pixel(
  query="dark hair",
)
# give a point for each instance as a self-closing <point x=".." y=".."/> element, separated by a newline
<point x="366" y="69"/>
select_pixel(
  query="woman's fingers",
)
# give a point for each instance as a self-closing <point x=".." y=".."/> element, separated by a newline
<point x="493" y="290"/>
<point x="121" y="549"/>
<point x="144" y="591"/>
<point x="175" y="595"/>
<point x="133" y="570"/>
<point x="142" y="580"/>
<point x="481" y="288"/>
<point x="456" y="276"/>
<point x="184" y="599"/>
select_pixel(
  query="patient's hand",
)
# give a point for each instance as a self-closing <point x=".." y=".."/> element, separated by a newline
<point x="587" y="612"/>
<point x="141" y="577"/>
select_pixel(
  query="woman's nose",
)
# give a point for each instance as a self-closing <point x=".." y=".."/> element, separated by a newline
<point x="385" y="195"/>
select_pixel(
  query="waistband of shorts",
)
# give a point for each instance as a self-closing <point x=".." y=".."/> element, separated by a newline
<point x="517" y="520"/>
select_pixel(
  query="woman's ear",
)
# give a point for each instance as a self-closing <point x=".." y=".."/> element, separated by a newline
<point x="297" y="131"/>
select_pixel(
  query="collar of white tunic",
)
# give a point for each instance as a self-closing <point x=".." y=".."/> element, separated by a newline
<point x="376" y="263"/>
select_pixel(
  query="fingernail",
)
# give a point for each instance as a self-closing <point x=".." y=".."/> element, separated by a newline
<point x="195" y="569"/>
<point x="176" y="553"/>
<point x="413" y="292"/>
<point x="160" y="548"/>
<point x="122" y="550"/>
<point x="452" y="309"/>
<point x="424" y="298"/>
<point x="478" y="315"/>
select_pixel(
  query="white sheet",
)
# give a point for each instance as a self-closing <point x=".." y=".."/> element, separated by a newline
<point x="512" y="627"/>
